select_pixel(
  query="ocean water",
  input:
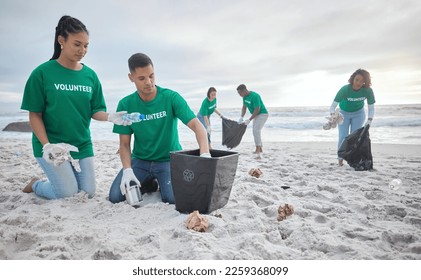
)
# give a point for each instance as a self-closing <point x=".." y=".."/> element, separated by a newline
<point x="393" y="124"/>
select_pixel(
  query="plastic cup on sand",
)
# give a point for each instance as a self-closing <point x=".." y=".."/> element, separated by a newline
<point x="395" y="184"/>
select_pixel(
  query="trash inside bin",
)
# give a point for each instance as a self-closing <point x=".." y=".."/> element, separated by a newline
<point x="202" y="184"/>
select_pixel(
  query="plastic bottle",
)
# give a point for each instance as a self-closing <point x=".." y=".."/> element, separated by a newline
<point x="134" y="117"/>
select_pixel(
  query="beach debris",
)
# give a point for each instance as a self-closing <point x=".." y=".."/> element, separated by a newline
<point x="59" y="153"/>
<point x="395" y="184"/>
<point x="285" y="211"/>
<point x="197" y="222"/>
<point x="333" y="120"/>
<point x="256" y="172"/>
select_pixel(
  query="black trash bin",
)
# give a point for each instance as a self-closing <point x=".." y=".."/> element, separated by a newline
<point x="202" y="184"/>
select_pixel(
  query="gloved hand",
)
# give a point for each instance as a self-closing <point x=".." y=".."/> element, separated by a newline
<point x="128" y="176"/>
<point x="51" y="152"/>
<point x="209" y="129"/>
<point x="58" y="153"/>
<point x="117" y="118"/>
<point x="240" y="120"/>
<point x="369" y="121"/>
<point x="206" y="155"/>
<point x="246" y="122"/>
<point x="221" y="116"/>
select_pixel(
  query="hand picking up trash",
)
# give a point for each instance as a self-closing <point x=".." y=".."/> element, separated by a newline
<point x="333" y="120"/>
<point x="59" y="153"/>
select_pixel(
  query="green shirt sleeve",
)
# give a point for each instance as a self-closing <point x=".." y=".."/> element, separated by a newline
<point x="182" y="109"/>
<point x="34" y="93"/>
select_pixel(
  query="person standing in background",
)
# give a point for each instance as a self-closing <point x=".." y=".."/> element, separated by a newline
<point x="259" y="114"/>
<point x="62" y="95"/>
<point x="206" y="110"/>
<point x="351" y="99"/>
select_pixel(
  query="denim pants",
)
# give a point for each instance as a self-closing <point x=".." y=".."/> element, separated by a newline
<point x="142" y="169"/>
<point x="202" y="120"/>
<point x="258" y="123"/>
<point x="352" y="122"/>
<point x="64" y="181"/>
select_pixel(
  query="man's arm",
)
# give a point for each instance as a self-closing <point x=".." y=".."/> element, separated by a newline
<point x="125" y="152"/>
<point x="201" y="135"/>
<point x="255" y="113"/>
<point x="243" y="110"/>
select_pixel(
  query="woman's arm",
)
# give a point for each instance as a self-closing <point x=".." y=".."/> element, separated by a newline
<point x="333" y="107"/>
<point x="38" y="127"/>
<point x="206" y="121"/>
<point x="100" y="116"/>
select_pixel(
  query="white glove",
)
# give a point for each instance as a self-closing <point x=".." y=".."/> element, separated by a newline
<point x="51" y="152"/>
<point x="117" y="118"/>
<point x="209" y="129"/>
<point x="246" y="122"/>
<point x="240" y="120"/>
<point x="128" y="176"/>
<point x="369" y="121"/>
<point x="58" y="153"/>
<point x="206" y="155"/>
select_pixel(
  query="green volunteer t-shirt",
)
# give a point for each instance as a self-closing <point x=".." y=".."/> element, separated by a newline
<point x="208" y="107"/>
<point x="157" y="134"/>
<point x="67" y="100"/>
<point x="252" y="101"/>
<point x="351" y="100"/>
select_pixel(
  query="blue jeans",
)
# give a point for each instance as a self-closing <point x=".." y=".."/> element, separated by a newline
<point x="202" y="120"/>
<point x="352" y="122"/>
<point x="142" y="169"/>
<point x="64" y="181"/>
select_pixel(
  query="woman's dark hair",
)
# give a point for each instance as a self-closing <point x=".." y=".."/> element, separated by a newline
<point x="66" y="25"/>
<point x="211" y="89"/>
<point x="366" y="76"/>
<point x="139" y="60"/>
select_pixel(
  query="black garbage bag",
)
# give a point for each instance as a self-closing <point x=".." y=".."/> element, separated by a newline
<point x="232" y="133"/>
<point x="356" y="149"/>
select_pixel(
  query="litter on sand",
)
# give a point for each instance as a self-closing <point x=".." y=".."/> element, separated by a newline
<point x="285" y="211"/>
<point x="197" y="222"/>
<point x="256" y="172"/>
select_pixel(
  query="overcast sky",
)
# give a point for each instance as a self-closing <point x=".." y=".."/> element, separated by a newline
<point x="294" y="53"/>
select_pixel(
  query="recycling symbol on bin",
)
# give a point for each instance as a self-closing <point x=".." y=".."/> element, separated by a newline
<point x="188" y="175"/>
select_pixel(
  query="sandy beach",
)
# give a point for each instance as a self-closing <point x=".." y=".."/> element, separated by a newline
<point x="339" y="213"/>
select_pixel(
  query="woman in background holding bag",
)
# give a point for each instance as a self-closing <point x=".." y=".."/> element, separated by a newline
<point x="351" y="99"/>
